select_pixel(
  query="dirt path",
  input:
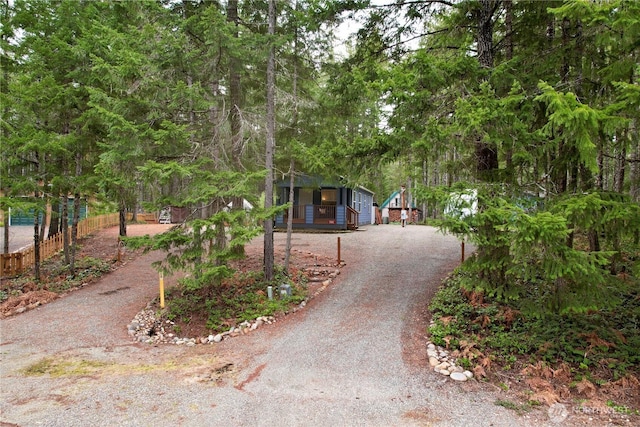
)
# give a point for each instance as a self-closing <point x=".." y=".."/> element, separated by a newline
<point x="354" y="356"/>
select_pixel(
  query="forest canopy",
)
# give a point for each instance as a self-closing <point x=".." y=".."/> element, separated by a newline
<point x="533" y="104"/>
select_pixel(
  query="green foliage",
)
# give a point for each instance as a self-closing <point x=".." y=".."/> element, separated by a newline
<point x="605" y="337"/>
<point x="519" y="408"/>
<point x="451" y="312"/>
<point x="525" y="251"/>
<point x="87" y="269"/>
<point x="238" y="297"/>
<point x="212" y="235"/>
<point x="578" y="122"/>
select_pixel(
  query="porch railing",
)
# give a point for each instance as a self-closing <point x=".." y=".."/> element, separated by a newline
<point x="352" y="218"/>
<point x="298" y="214"/>
<point x="324" y="214"/>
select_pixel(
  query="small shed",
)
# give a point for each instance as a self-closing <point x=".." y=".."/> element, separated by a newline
<point x="321" y="203"/>
<point x="392" y="207"/>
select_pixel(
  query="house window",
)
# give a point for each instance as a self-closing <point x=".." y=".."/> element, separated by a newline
<point x="329" y="196"/>
<point x="305" y="196"/>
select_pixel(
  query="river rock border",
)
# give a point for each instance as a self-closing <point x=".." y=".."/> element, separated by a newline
<point x="442" y="362"/>
<point x="445" y="364"/>
<point x="148" y="329"/>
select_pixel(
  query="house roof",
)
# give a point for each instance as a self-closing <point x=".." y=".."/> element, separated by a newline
<point x="312" y="181"/>
<point x="391" y="197"/>
<point x="315" y="181"/>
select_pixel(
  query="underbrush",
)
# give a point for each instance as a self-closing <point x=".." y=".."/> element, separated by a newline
<point x="56" y="277"/>
<point x="593" y="354"/>
<point x="87" y="269"/>
<point x="244" y="296"/>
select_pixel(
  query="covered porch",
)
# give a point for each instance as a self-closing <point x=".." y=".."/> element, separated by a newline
<point x="317" y="205"/>
<point x="331" y="216"/>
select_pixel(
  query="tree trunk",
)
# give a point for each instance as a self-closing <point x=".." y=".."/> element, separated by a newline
<point x="621" y="162"/>
<point x="270" y="144"/>
<point x="43" y="223"/>
<point x="486" y="153"/>
<point x="508" y="22"/>
<point x="292" y="180"/>
<point x="292" y="162"/>
<point x="221" y="234"/>
<point x="581" y="178"/>
<point x="425" y="182"/>
<point x="197" y="253"/>
<point x="6" y="232"/>
<point x="235" y="95"/>
<point x="36" y="242"/>
<point x="76" y="216"/>
<point x="4" y="129"/>
<point x="635" y="167"/>
<point x="55" y="221"/>
<point x="594" y="241"/>
<point x="122" y="219"/>
<point x="409" y="201"/>
<point x="134" y="214"/>
<point x="214" y="114"/>
<point x="566" y="24"/>
<point x="235" y="117"/>
<point x="561" y="163"/>
<point x="485" y="32"/>
<point x="74" y="231"/>
<point x="65" y="228"/>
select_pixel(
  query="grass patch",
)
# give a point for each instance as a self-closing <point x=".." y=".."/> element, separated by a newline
<point x="519" y="408"/>
<point x="70" y="367"/>
<point x="62" y="368"/>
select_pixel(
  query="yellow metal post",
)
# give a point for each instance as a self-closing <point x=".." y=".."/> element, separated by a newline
<point x="161" y="290"/>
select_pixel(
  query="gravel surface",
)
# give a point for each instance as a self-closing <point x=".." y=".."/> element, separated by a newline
<point x="20" y="237"/>
<point x="354" y="356"/>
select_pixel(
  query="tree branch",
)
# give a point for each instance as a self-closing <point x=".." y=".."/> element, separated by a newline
<point x="609" y="156"/>
<point x="408" y="3"/>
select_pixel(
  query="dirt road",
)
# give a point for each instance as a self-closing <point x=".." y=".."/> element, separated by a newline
<point x="355" y="356"/>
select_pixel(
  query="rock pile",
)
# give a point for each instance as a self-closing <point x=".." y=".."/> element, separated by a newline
<point x="444" y="364"/>
<point x="146" y="328"/>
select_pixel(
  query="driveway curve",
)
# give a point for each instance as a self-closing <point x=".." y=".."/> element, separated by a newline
<point x="354" y="356"/>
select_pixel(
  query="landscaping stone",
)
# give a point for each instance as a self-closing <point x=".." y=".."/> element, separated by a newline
<point x="458" y="376"/>
<point x="442" y="363"/>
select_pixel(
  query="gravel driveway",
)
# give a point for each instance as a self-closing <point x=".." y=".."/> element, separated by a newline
<point x="354" y="356"/>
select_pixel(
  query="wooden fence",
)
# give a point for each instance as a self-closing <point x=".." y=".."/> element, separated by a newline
<point x="16" y="262"/>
